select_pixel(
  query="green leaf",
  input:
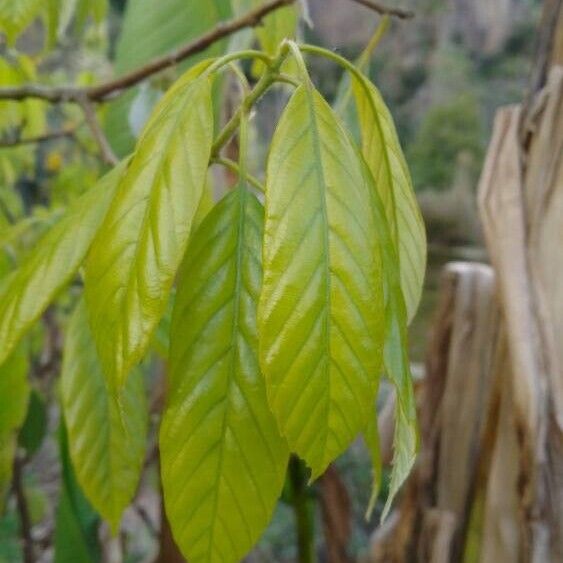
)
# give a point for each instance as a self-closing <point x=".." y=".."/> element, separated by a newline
<point x="140" y="245"/>
<point x="223" y="461"/>
<point x="76" y="526"/>
<point x="321" y="309"/>
<point x="395" y="355"/>
<point x="16" y="15"/>
<point x="14" y="396"/>
<point x="383" y="154"/>
<point x="107" y="444"/>
<point x="278" y="25"/>
<point x="163" y="26"/>
<point x="52" y="264"/>
<point x="161" y="339"/>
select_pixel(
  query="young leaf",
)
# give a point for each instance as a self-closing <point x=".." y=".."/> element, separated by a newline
<point x="136" y="253"/>
<point x="106" y="447"/>
<point x="14" y="395"/>
<point x="52" y="263"/>
<point x="223" y="461"/>
<point x="395" y="355"/>
<point x="383" y="154"/>
<point x="321" y="308"/>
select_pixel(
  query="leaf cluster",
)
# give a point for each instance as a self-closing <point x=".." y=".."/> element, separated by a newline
<point x="292" y="297"/>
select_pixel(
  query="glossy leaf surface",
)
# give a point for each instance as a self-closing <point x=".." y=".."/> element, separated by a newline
<point x="139" y="247"/>
<point x="321" y="308"/>
<point x="384" y="156"/>
<point x="222" y="458"/>
<point x="106" y="447"/>
<point x="52" y="263"/>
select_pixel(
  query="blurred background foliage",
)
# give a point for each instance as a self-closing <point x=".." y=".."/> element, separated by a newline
<point x="443" y="74"/>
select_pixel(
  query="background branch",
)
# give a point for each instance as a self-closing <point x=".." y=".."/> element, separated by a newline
<point x="50" y="135"/>
<point x="106" y="151"/>
<point x="111" y="88"/>
<point x="385" y="10"/>
<point x="106" y="90"/>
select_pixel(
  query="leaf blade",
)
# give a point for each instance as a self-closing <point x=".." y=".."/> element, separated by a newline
<point x="106" y="443"/>
<point x="322" y="293"/>
<point x="53" y="263"/>
<point x="217" y="396"/>
<point x="138" y="249"/>
<point x="382" y="150"/>
<point x="395" y="356"/>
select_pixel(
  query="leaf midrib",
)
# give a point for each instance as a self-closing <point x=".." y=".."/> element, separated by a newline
<point x="234" y="357"/>
<point x="368" y="94"/>
<point x="317" y="164"/>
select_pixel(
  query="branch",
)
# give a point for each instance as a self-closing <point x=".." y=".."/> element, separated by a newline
<point x="50" y="135"/>
<point x="113" y="87"/>
<point x="106" y="151"/>
<point x="384" y="10"/>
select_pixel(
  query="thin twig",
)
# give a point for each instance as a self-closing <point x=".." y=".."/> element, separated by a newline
<point x="49" y="136"/>
<point x="385" y="10"/>
<point x="23" y="510"/>
<point x="106" y="151"/>
<point x="109" y="89"/>
<point x="147" y="521"/>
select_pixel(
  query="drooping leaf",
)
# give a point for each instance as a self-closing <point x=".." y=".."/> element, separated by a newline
<point x="52" y="263"/>
<point x="13" y="232"/>
<point x="16" y="15"/>
<point x="14" y="395"/>
<point x="76" y="526"/>
<point x="138" y="249"/>
<point x="384" y="156"/>
<point x="106" y="442"/>
<point x="164" y="26"/>
<point x="395" y="355"/>
<point x="321" y="309"/>
<point x="222" y="459"/>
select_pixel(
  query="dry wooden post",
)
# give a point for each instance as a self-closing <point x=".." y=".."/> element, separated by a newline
<point x="521" y="200"/>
